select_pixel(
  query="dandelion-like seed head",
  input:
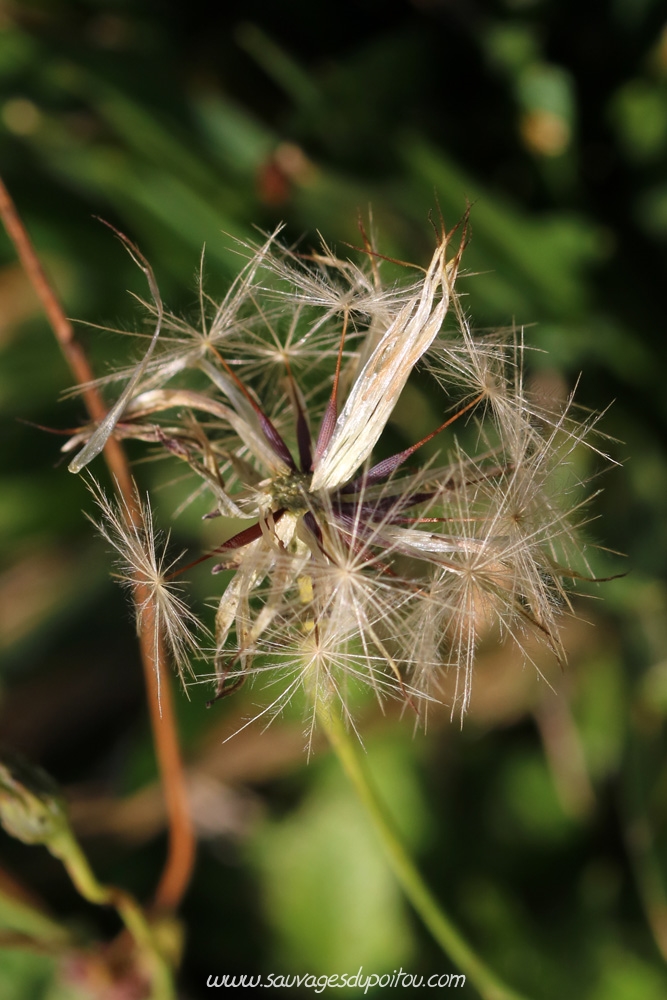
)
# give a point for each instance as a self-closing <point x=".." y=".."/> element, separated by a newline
<point x="352" y="571"/>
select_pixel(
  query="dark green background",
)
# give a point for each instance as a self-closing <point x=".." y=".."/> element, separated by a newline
<point x="542" y="824"/>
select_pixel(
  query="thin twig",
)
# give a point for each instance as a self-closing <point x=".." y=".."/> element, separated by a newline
<point x="181" y="853"/>
<point x="177" y="871"/>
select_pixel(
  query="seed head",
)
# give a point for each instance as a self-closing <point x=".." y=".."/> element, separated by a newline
<point x="353" y="571"/>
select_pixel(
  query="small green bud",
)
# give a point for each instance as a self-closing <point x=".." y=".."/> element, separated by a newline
<point x="31" y="806"/>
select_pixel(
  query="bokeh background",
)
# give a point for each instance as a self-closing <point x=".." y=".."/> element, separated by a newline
<point x="542" y="823"/>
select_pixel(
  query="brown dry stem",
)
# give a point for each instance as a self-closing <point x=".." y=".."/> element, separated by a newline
<point x="181" y="852"/>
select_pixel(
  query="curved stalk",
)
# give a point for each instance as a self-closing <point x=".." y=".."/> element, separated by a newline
<point x="66" y="848"/>
<point x="181" y="852"/>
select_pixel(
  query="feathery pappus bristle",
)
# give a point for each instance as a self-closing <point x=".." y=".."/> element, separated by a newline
<point x="142" y="567"/>
<point x="353" y="571"/>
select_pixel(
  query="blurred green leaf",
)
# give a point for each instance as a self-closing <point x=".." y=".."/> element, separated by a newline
<point x="600" y="709"/>
<point x="638" y="111"/>
<point x="624" y="976"/>
<point x="327" y="890"/>
<point x="533" y="809"/>
<point x="26" y="976"/>
<point x="528" y="265"/>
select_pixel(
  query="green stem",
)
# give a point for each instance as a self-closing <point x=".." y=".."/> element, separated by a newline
<point x="489" y="986"/>
<point x="66" y="848"/>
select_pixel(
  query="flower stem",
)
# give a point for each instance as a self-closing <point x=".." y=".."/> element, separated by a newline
<point x="66" y="848"/>
<point x="487" y="983"/>
<point x="181" y="852"/>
